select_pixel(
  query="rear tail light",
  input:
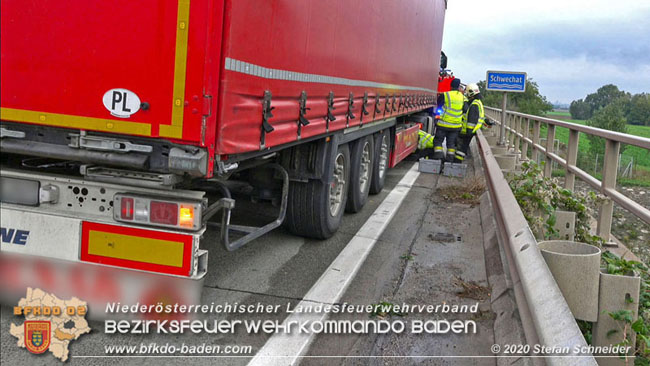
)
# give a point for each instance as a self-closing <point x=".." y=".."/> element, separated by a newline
<point x="164" y="213"/>
<point x="126" y="209"/>
<point x="186" y="218"/>
<point x="157" y="212"/>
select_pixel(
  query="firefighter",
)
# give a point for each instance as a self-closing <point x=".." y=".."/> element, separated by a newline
<point x="425" y="145"/>
<point x="450" y="122"/>
<point x="473" y="120"/>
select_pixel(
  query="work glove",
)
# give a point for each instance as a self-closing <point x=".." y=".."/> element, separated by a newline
<point x="476" y="128"/>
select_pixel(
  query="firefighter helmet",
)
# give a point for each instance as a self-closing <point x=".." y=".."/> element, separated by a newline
<point x="472" y="90"/>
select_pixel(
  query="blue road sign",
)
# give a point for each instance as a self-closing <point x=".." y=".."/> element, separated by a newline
<point x="507" y="81"/>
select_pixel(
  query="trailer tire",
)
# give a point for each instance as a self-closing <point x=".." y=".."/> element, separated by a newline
<point x="311" y="211"/>
<point x="362" y="154"/>
<point x="380" y="162"/>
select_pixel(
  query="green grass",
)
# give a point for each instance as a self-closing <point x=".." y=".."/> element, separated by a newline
<point x="559" y="113"/>
<point x="642" y="156"/>
<point x="633" y="182"/>
<point x="627" y="182"/>
<point x="643" y="131"/>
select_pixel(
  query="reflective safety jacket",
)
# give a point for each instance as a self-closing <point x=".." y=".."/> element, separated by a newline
<point x="452" y="110"/>
<point x="425" y="140"/>
<point x="475" y="117"/>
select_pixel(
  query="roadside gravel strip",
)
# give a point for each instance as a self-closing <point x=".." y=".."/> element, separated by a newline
<point x="286" y="349"/>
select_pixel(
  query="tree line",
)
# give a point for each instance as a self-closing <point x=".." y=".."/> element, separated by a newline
<point x="634" y="108"/>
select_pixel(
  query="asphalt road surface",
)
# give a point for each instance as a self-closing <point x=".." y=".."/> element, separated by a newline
<point x="408" y="264"/>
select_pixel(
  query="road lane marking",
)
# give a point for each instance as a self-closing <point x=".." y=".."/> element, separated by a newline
<point x="286" y="349"/>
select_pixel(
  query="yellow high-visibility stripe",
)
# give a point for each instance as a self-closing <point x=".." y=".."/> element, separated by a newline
<point x="450" y="125"/>
<point x="136" y="248"/>
<point x="72" y="121"/>
<point x="175" y="130"/>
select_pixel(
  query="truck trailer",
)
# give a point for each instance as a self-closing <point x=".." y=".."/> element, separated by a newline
<point x="129" y="126"/>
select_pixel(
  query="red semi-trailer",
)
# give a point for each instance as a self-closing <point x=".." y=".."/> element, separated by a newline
<point x="118" y="116"/>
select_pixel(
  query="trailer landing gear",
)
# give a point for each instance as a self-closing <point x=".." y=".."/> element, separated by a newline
<point x="250" y="233"/>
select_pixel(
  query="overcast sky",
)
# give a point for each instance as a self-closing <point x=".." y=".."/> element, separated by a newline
<point x="569" y="47"/>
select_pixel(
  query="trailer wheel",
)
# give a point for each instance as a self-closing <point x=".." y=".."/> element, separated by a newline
<point x="380" y="162"/>
<point x="361" y="163"/>
<point x="315" y="208"/>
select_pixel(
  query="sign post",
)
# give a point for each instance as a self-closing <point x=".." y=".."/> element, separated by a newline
<point x="502" y="128"/>
<point x="505" y="81"/>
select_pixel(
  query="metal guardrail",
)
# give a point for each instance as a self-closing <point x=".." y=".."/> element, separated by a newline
<point x="516" y="133"/>
<point x="545" y="314"/>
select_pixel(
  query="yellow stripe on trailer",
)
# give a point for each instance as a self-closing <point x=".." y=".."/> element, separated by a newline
<point x="175" y="130"/>
<point x="77" y="122"/>
<point x="136" y="248"/>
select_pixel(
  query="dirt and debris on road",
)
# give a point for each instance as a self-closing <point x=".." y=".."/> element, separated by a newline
<point x="472" y="290"/>
<point x="468" y="191"/>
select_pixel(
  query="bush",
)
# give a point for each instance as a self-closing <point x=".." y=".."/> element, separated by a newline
<point x="539" y="197"/>
<point x="580" y="109"/>
<point x="609" y="118"/>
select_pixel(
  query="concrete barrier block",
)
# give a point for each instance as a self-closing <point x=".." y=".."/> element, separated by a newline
<point x="565" y="224"/>
<point x="518" y="166"/>
<point x="506" y="162"/>
<point x="515" y="154"/>
<point x="492" y="140"/>
<point x="576" y="269"/>
<point x="615" y="293"/>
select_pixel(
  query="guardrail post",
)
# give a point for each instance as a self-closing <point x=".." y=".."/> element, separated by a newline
<point x="525" y="131"/>
<point x="550" y="143"/>
<point x="571" y="159"/>
<point x="535" y="152"/>
<point x="610" y="171"/>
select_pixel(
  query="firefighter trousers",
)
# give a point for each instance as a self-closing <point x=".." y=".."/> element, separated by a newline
<point x="445" y="134"/>
<point x="464" y="140"/>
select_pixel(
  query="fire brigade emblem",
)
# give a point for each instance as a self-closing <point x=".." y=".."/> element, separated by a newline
<point x="50" y="323"/>
<point x="37" y="336"/>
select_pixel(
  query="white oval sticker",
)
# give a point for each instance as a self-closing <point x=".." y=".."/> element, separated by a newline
<point x="121" y="102"/>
